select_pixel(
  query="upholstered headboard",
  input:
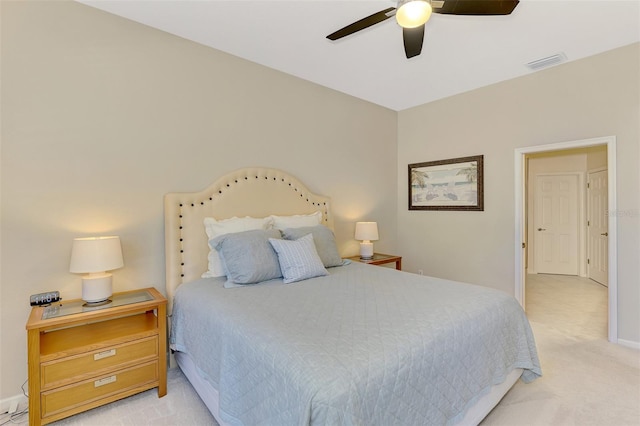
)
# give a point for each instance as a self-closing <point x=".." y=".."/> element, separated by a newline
<point x="254" y="191"/>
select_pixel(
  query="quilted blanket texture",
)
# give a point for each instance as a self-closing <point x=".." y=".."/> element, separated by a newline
<point x="366" y="345"/>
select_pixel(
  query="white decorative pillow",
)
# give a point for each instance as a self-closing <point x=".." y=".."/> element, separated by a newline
<point x="214" y="228"/>
<point x="298" y="259"/>
<point x="296" y="221"/>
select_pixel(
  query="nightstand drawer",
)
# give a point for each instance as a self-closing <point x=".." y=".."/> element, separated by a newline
<point x="91" y="364"/>
<point x="88" y="391"/>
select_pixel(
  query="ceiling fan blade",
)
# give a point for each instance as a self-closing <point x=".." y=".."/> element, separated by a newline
<point x="474" y="7"/>
<point x="363" y="23"/>
<point x="413" y="38"/>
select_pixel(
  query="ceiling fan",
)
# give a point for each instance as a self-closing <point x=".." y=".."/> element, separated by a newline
<point x="411" y="15"/>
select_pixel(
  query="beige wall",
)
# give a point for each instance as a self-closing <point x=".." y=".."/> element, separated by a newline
<point x="102" y="116"/>
<point x="593" y="97"/>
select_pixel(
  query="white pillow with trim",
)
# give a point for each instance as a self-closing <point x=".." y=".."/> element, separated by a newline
<point x="296" y="220"/>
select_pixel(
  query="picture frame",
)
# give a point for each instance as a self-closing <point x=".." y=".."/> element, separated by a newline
<point x="453" y="184"/>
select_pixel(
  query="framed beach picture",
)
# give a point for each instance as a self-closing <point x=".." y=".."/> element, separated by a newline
<point x="455" y="184"/>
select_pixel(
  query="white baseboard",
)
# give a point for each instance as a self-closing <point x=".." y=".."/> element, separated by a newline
<point x="22" y="401"/>
<point x="629" y="343"/>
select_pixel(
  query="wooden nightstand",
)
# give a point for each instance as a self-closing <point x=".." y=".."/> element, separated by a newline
<point x="83" y="357"/>
<point x="380" y="259"/>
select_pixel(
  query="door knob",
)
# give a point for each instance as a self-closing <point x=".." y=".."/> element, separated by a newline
<point x="606" y="234"/>
<point x="541" y="229"/>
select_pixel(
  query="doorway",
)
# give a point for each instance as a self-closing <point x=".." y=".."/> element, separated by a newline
<point x="521" y="219"/>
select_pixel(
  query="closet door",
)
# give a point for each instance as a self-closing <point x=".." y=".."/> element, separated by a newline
<point x="556" y="224"/>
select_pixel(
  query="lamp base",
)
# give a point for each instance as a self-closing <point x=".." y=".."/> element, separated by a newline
<point x="366" y="250"/>
<point x="97" y="304"/>
<point x="96" y="288"/>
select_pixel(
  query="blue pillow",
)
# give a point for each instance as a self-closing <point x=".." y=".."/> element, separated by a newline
<point x="247" y="257"/>
<point x="298" y="259"/>
<point x="323" y="239"/>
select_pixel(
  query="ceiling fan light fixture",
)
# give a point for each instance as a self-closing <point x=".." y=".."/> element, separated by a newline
<point x="413" y="13"/>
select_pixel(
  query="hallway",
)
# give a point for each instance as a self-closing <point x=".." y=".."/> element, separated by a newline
<point x="572" y="305"/>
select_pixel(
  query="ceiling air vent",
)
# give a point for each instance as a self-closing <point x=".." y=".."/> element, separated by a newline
<point x="547" y="62"/>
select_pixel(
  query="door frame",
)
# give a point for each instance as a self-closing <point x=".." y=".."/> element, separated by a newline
<point x="520" y="212"/>
<point x="588" y="205"/>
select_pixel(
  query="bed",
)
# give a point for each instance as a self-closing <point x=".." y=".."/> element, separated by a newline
<point x="354" y="345"/>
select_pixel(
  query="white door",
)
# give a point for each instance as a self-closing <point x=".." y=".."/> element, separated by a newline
<point x="556" y="224"/>
<point x="597" y="227"/>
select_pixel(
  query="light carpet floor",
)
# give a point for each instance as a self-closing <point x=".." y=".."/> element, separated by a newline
<point x="586" y="380"/>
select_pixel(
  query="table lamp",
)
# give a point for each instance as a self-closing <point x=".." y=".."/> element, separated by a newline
<point x="95" y="256"/>
<point x="366" y="232"/>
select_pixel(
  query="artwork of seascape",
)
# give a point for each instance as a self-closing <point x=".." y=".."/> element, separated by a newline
<point x="445" y="185"/>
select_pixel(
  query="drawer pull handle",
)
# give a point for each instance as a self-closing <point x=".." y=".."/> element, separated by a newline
<point x="104" y="354"/>
<point x="104" y="381"/>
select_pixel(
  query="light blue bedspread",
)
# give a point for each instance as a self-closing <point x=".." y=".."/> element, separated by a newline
<point x="366" y="345"/>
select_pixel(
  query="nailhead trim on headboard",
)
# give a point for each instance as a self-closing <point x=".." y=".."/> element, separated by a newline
<point x="179" y="206"/>
<point x="228" y="185"/>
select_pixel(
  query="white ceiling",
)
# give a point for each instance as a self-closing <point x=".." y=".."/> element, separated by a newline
<point x="460" y="53"/>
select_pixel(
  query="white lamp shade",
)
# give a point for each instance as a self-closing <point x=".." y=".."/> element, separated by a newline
<point x="96" y="254"/>
<point x="413" y="13"/>
<point x="366" y="231"/>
